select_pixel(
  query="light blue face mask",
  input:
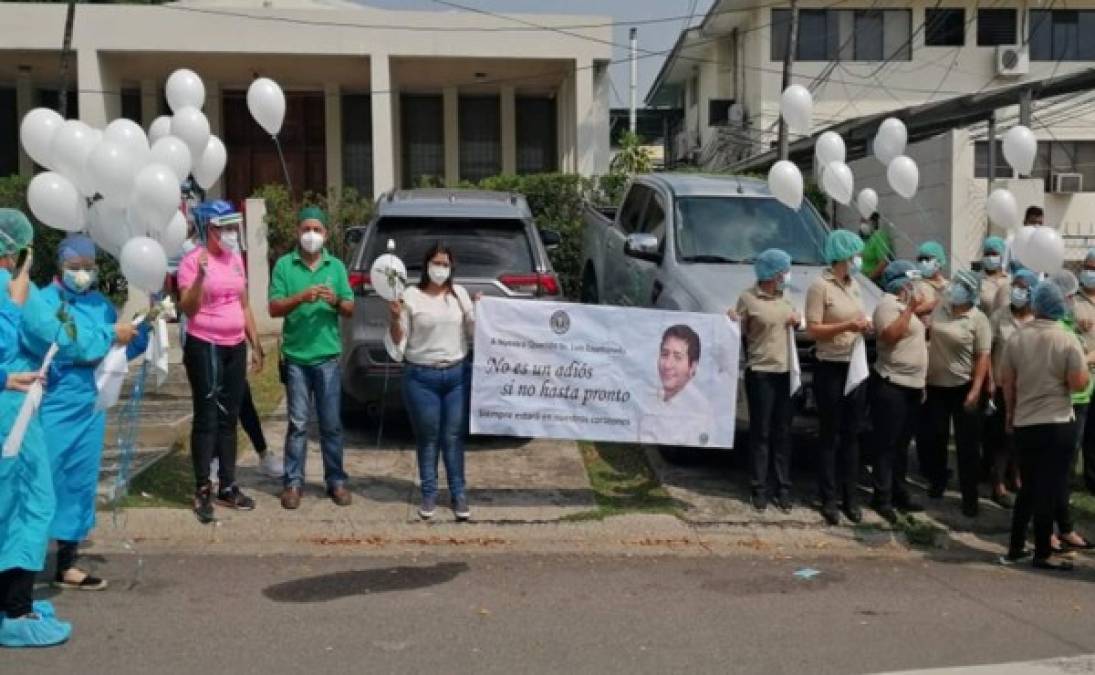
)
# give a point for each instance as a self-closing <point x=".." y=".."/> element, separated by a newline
<point x="991" y="263"/>
<point x="928" y="268"/>
<point x="1087" y="278"/>
<point x="79" y="281"/>
<point x="1020" y="297"/>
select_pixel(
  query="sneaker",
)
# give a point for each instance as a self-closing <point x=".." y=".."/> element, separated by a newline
<point x="234" y="499"/>
<point x="854" y="514"/>
<point x="1004" y="501"/>
<point x="460" y="508"/>
<point x="340" y="495"/>
<point x="290" y="498"/>
<point x="784" y="503"/>
<point x="271" y="465"/>
<point x="428" y="507"/>
<point x="1012" y="557"/>
<point x="203" y="504"/>
<point x="831" y="515"/>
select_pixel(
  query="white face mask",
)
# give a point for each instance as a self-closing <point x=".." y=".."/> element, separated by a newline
<point x="311" y="241"/>
<point x="231" y="241"/>
<point x="439" y="274"/>
<point x="857" y="263"/>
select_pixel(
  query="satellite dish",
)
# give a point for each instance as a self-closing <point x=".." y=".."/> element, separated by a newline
<point x="389" y="277"/>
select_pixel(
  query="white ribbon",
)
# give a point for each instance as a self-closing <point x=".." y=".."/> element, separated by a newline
<point x="858" y="370"/>
<point x="796" y="367"/>
<point x="14" y="441"/>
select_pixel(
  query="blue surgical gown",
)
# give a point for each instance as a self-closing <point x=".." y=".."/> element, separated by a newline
<point x="76" y="428"/>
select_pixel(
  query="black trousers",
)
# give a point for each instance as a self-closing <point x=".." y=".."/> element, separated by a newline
<point x="1045" y="451"/>
<point x="217" y="377"/>
<point x="67" y="554"/>
<point x="944" y="406"/>
<point x="769" y="398"/>
<point x="840" y="419"/>
<point x="997" y="446"/>
<point x="1088" y="436"/>
<point x="16" y="592"/>
<point x="894" y="413"/>
<point x="249" y="420"/>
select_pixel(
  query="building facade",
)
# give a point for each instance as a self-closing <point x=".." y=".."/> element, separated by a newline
<point x="376" y="99"/>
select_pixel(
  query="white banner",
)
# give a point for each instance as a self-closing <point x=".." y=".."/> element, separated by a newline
<point x="586" y="372"/>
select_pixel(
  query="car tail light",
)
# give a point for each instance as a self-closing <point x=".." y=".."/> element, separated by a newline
<point x="533" y="284"/>
<point x="360" y="281"/>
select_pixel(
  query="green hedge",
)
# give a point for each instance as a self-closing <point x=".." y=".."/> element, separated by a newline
<point x="344" y="210"/>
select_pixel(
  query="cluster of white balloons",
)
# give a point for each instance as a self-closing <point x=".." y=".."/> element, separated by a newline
<point x="1038" y="248"/>
<point x="889" y="147"/>
<point x="796" y="106"/>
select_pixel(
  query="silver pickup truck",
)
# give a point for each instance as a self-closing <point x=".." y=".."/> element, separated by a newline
<point x="687" y="242"/>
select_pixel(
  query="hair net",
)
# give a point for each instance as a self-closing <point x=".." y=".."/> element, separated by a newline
<point x="1025" y="275"/>
<point x="995" y="245"/>
<point x="312" y="213"/>
<point x="16" y="232"/>
<point x="899" y="274"/>
<point x="842" y="245"/>
<point x="75" y="246"/>
<point x="770" y="263"/>
<point x="1066" y="281"/>
<point x="216" y="213"/>
<point x="964" y="288"/>
<point x="932" y="249"/>
<point x="1049" y="301"/>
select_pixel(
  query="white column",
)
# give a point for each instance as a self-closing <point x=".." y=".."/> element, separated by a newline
<point x="563" y="113"/>
<point x="24" y="102"/>
<point x="150" y="102"/>
<point x="509" y="129"/>
<point x="99" y="97"/>
<point x="585" y="136"/>
<point x="258" y="269"/>
<point x="451" y="115"/>
<point x="397" y="134"/>
<point x="600" y="121"/>
<point x="214" y="111"/>
<point x="332" y="106"/>
<point x="381" y="100"/>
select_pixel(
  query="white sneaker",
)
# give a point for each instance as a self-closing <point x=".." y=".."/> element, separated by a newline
<point x="271" y="465"/>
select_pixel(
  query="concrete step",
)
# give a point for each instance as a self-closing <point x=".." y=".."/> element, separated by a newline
<point x="144" y="457"/>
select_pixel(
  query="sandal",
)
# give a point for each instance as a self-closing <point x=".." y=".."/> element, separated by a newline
<point x="88" y="583"/>
<point x="1067" y="545"/>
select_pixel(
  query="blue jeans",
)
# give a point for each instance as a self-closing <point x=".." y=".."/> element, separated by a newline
<point x="323" y="383"/>
<point x="437" y="400"/>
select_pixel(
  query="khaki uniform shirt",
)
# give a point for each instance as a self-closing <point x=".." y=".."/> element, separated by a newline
<point x="1004" y="325"/>
<point x="1041" y="356"/>
<point x="764" y="322"/>
<point x="931" y="290"/>
<point x="905" y="362"/>
<point x="955" y="343"/>
<point x="990" y="287"/>
<point x="832" y="301"/>
<point x="1084" y="310"/>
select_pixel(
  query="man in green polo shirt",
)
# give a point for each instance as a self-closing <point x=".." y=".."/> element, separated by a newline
<point x="310" y="289"/>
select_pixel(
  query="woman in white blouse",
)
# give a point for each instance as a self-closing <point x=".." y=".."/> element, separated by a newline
<point x="429" y="329"/>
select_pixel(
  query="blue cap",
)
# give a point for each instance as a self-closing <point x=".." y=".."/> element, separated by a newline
<point x="1025" y="275"/>
<point x="75" y="246"/>
<point x="899" y="274"/>
<point x="771" y="263"/>
<point x="1049" y="301"/>
<point x="842" y="245"/>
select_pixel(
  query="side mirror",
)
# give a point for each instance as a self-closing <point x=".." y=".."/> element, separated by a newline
<point x="643" y="247"/>
<point x="551" y="238"/>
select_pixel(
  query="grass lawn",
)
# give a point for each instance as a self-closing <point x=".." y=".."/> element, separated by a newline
<point x="170" y="482"/>
<point x="622" y="481"/>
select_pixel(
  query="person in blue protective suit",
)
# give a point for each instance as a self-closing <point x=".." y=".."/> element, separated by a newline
<point x="75" y="441"/>
<point x="26" y="486"/>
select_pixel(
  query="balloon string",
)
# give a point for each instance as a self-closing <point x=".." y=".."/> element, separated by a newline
<point x="284" y="167"/>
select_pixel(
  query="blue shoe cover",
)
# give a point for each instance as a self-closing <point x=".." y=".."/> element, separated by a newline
<point x="34" y="631"/>
<point x="44" y="609"/>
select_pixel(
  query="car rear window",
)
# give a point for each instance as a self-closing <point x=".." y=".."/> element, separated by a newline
<point x="483" y="248"/>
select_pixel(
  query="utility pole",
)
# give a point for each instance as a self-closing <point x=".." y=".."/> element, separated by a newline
<point x="788" y="64"/>
<point x="1025" y="108"/>
<point x="66" y="56"/>
<point x="632" y="122"/>
<point x="992" y="150"/>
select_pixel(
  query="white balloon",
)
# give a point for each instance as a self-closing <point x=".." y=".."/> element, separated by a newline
<point x="1020" y="241"/>
<point x="185" y="89"/>
<point x="796" y="104"/>
<point x="156" y="196"/>
<point x="1045" y="250"/>
<point x="174" y="154"/>
<point x="130" y="136"/>
<point x="903" y="176"/>
<point x="144" y="264"/>
<point x="266" y="101"/>
<point x="1002" y="209"/>
<point x="838" y="182"/>
<point x="830" y="148"/>
<point x="867" y="202"/>
<point x="1020" y="147"/>
<point x="210" y="166"/>
<point x="174" y="235"/>
<point x="785" y="183"/>
<point x="160" y="127"/>
<point x="69" y="151"/>
<point x="389" y="276"/>
<point x="36" y="131"/>
<point x="889" y="141"/>
<point x="55" y="201"/>
<point x="111" y="169"/>
<point x="192" y="128"/>
<point x="108" y="227"/>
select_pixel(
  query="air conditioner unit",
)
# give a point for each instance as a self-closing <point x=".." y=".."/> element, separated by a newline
<point x="1012" y="60"/>
<point x="1068" y="182"/>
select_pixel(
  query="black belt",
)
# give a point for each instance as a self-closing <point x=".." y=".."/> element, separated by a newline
<point x="440" y="365"/>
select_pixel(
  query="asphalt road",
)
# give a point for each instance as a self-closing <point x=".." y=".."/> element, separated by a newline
<point x="517" y="613"/>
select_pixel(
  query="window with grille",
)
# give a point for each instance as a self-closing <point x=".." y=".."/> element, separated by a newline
<point x="981" y="161"/>
<point x="357" y="143"/>
<point x="1055" y="35"/>
<point x="480" y="137"/>
<point x="423" y="130"/>
<point x="9" y="133"/>
<point x="996" y="27"/>
<point x="844" y="34"/>
<point x="945" y="27"/>
<point x="537" y="145"/>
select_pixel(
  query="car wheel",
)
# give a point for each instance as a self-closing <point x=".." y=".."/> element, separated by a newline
<point x="589" y="287"/>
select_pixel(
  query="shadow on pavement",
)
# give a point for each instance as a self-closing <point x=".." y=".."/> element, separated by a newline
<point x="328" y="587"/>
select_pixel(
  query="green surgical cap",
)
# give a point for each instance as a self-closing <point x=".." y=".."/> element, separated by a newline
<point x="842" y="245"/>
<point x="996" y="245"/>
<point x="16" y="232"/>
<point x="312" y="213"/>
<point x="933" y="249"/>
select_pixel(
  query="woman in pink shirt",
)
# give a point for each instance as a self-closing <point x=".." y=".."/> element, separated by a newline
<point x="213" y="295"/>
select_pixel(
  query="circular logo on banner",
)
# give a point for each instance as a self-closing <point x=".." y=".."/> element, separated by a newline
<point x="560" y="322"/>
